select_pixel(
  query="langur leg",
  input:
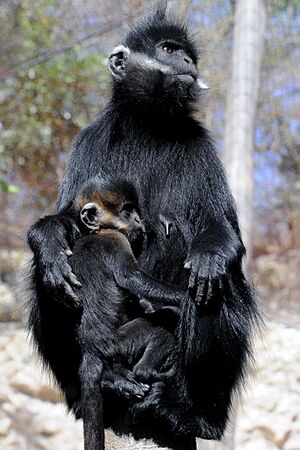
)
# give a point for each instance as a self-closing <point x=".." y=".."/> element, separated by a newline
<point x="148" y="349"/>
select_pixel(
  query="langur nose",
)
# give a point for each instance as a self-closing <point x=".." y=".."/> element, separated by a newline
<point x="137" y="221"/>
<point x="140" y="223"/>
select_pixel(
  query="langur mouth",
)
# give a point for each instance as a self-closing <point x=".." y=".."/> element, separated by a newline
<point x="185" y="78"/>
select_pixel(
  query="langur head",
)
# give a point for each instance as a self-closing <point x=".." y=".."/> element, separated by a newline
<point x="156" y="65"/>
<point x="110" y="205"/>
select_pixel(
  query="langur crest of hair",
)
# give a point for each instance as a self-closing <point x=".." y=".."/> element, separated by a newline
<point x="161" y="8"/>
<point x="159" y="11"/>
<point x="159" y="20"/>
<point x="156" y="9"/>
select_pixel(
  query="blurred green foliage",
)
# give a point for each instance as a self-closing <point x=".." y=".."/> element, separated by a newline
<point x="284" y="5"/>
<point x="43" y="107"/>
<point x="8" y="188"/>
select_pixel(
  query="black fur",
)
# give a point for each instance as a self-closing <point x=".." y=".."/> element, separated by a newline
<point x="125" y="346"/>
<point x="147" y="134"/>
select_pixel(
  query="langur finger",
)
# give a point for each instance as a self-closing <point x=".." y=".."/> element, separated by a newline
<point x="70" y="277"/>
<point x="187" y="265"/>
<point x="214" y="292"/>
<point x="201" y="290"/>
<point x="75" y="231"/>
<point x="147" y="306"/>
<point x="134" y="389"/>
<point x="221" y="282"/>
<point x="223" y="286"/>
<point x="210" y="290"/>
<point x="145" y="387"/>
<point x="68" y="252"/>
<point x="192" y="280"/>
<point x="204" y="267"/>
<point x="70" y="295"/>
<point x="49" y="281"/>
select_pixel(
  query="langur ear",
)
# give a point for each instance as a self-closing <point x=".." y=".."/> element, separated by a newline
<point x="117" y="61"/>
<point x="89" y="215"/>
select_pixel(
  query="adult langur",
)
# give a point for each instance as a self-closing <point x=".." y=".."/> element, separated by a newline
<point x="148" y="134"/>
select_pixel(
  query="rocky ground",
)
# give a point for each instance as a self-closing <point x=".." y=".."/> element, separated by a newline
<point x="32" y="416"/>
<point x="269" y="418"/>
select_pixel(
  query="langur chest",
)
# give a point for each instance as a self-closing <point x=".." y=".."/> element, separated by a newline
<point x="165" y="181"/>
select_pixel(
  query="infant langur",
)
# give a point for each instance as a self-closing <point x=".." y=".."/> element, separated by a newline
<point x="122" y="349"/>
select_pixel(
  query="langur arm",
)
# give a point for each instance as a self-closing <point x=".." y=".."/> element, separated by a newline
<point x="215" y="248"/>
<point x="152" y="293"/>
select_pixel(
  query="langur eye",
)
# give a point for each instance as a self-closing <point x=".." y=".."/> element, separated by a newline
<point x="127" y="207"/>
<point x="168" y="49"/>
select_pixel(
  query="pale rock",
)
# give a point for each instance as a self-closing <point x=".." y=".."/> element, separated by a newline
<point x="33" y="418"/>
<point x="29" y="382"/>
<point x="5" y="423"/>
<point x="269" y="417"/>
<point x="9" y="308"/>
<point x="257" y="444"/>
<point x="293" y="443"/>
<point x="3" y="397"/>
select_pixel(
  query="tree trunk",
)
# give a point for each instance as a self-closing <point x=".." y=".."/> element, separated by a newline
<point x="249" y="31"/>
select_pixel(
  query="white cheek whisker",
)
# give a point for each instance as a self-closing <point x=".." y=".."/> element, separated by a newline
<point x="201" y="84"/>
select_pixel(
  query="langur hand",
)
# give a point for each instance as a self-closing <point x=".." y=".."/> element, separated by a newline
<point x="207" y="277"/>
<point x="50" y="241"/>
<point x="148" y="306"/>
<point x="58" y="277"/>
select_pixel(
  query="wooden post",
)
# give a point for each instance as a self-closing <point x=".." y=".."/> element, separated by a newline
<point x="114" y="442"/>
